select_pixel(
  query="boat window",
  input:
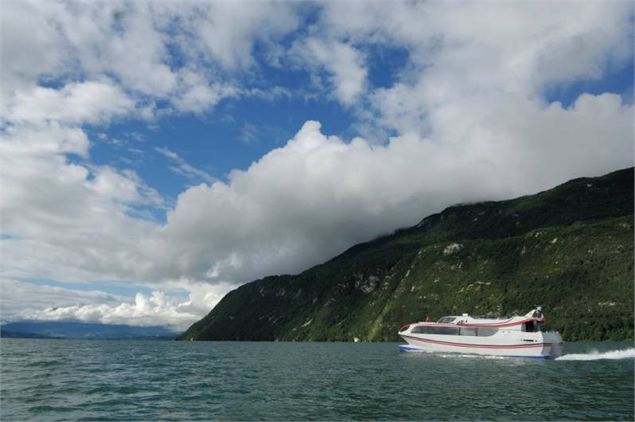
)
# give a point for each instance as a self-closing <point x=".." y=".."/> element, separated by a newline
<point x="486" y="331"/>
<point x="530" y="327"/>
<point x="468" y="331"/>
<point x="426" y="329"/>
<point x="420" y="329"/>
<point x="454" y="331"/>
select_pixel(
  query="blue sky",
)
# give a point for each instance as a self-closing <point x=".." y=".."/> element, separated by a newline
<point x="237" y="131"/>
<point x="155" y="156"/>
<point x="232" y="136"/>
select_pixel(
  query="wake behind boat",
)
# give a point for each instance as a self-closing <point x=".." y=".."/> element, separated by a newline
<point x="517" y="336"/>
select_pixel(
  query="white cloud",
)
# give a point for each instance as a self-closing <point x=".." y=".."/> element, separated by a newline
<point x="461" y="51"/>
<point x="156" y="309"/>
<point x="19" y="297"/>
<point x="27" y="301"/>
<point x="161" y="50"/>
<point x="67" y="219"/>
<point x="185" y="169"/>
<point x="38" y="140"/>
<point x="74" y="103"/>
<point x="227" y="31"/>
<point x="197" y="95"/>
<point x="31" y="47"/>
<point x="342" y="61"/>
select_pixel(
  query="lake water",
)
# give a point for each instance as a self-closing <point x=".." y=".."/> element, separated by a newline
<point x="149" y="380"/>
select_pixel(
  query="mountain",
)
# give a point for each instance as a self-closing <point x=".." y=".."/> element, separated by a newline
<point x="569" y="249"/>
<point x="81" y="330"/>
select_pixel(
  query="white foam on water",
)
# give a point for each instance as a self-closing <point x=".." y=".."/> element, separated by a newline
<point x="595" y="355"/>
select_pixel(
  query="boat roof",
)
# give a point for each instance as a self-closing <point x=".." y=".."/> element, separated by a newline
<point x="467" y="320"/>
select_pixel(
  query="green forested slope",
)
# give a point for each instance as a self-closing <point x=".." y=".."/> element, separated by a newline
<point x="569" y="249"/>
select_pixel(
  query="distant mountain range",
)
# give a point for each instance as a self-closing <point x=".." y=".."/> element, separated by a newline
<point x="81" y="330"/>
<point x="569" y="249"/>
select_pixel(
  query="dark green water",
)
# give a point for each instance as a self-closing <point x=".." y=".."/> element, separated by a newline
<point x="145" y="380"/>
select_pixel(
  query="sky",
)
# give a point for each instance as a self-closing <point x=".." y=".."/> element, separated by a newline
<point x="156" y="155"/>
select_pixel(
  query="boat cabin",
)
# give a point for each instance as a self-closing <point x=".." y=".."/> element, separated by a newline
<point x="466" y="325"/>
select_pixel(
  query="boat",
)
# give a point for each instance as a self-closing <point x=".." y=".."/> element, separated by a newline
<point x="516" y="336"/>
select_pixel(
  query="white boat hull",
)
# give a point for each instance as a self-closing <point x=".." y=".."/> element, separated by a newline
<point x="538" y="345"/>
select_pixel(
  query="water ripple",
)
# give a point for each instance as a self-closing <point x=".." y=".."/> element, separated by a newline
<point x="136" y="380"/>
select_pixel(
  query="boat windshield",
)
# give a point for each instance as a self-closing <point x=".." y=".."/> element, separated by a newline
<point x="446" y="320"/>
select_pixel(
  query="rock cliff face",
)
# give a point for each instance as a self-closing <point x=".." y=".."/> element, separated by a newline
<point x="569" y="249"/>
